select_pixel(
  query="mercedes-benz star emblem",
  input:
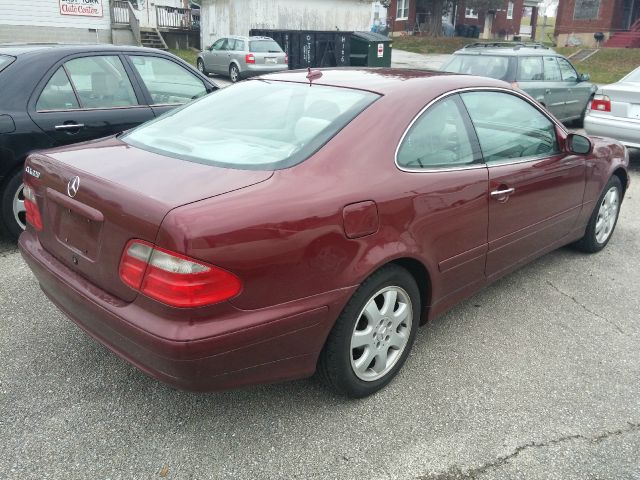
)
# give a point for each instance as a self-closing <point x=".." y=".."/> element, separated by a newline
<point x="73" y="186"/>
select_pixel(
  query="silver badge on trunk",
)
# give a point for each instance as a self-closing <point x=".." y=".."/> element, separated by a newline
<point x="73" y="186"/>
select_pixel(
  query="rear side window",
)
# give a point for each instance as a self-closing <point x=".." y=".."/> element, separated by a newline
<point x="57" y="94"/>
<point x="438" y="139"/>
<point x="530" y="69"/>
<point x="5" y="61"/>
<point x="101" y="82"/>
<point x="493" y="66"/>
<point x="264" y="46"/>
<point x="551" y="70"/>
<point x="260" y="125"/>
<point x="167" y="82"/>
<point x="239" y="45"/>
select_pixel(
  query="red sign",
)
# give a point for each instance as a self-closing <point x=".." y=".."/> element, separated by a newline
<point x="380" y="50"/>
<point x="85" y="8"/>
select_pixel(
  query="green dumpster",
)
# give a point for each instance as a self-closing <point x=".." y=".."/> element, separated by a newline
<point x="370" y="49"/>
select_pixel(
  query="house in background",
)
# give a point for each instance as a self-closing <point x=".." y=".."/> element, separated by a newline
<point x="221" y="18"/>
<point x="410" y="16"/>
<point x="578" y="21"/>
<point x="167" y="23"/>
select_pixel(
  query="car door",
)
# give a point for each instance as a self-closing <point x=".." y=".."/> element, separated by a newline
<point x="443" y="168"/>
<point x="87" y="97"/>
<point x="576" y="95"/>
<point x="530" y="77"/>
<point x="219" y="56"/>
<point x="165" y="83"/>
<point x="555" y="90"/>
<point x="535" y="189"/>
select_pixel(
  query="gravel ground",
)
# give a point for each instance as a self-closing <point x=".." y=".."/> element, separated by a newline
<point x="537" y="376"/>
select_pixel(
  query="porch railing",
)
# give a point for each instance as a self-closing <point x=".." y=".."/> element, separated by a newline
<point x="178" y="18"/>
<point x="119" y="12"/>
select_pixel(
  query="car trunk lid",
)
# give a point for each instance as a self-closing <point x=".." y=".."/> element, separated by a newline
<point x="625" y="99"/>
<point x="95" y="197"/>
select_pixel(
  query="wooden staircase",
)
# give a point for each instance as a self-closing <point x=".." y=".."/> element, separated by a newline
<point x="626" y="39"/>
<point x="150" y="37"/>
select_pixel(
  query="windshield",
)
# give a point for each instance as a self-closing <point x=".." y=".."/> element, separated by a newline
<point x="264" y="46"/>
<point x="482" y="65"/>
<point x="5" y="60"/>
<point x="257" y="124"/>
<point x="633" y="76"/>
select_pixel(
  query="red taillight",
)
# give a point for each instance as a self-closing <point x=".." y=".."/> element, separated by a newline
<point x="175" y="279"/>
<point x="31" y="207"/>
<point x="249" y="58"/>
<point x="601" y="103"/>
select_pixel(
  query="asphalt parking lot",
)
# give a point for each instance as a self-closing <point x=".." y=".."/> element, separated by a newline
<point x="536" y="377"/>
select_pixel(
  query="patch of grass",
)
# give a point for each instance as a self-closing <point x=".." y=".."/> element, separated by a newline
<point x="417" y="44"/>
<point x="608" y="65"/>
<point x="189" y="56"/>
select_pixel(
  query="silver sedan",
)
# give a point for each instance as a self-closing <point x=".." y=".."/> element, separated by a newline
<point x="615" y="111"/>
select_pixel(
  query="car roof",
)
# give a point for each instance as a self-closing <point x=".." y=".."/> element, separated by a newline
<point x="511" y="49"/>
<point x="243" y="37"/>
<point x="18" y="49"/>
<point x="385" y="81"/>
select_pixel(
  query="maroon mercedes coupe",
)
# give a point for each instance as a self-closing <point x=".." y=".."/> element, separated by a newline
<point x="309" y="221"/>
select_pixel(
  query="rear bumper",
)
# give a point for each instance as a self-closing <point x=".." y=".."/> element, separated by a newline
<point x="625" y="130"/>
<point x="251" y="70"/>
<point x="282" y="343"/>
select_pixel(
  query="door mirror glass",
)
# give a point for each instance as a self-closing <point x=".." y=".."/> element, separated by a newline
<point x="584" y="77"/>
<point x="578" y="144"/>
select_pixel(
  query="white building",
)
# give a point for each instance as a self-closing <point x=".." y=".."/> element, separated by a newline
<point x="220" y="18"/>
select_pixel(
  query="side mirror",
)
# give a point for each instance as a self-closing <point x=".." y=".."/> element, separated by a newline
<point x="584" y="77"/>
<point x="579" y="144"/>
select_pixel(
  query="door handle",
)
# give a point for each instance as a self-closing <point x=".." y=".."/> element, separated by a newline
<point x="548" y="90"/>
<point x="502" y="193"/>
<point x="70" y="126"/>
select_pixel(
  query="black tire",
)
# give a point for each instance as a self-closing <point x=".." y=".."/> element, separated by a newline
<point x="9" y="190"/>
<point x="335" y="362"/>
<point x="200" y="66"/>
<point x="234" y="73"/>
<point x="589" y="243"/>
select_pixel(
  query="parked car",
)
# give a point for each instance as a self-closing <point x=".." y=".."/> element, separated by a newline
<point x="242" y="57"/>
<point x="541" y="72"/>
<point x="615" y="111"/>
<point x="214" y="247"/>
<point x="52" y="95"/>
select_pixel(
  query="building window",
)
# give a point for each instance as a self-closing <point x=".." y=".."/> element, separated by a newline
<point x="510" y="11"/>
<point x="586" y="10"/>
<point x="470" y="13"/>
<point x="403" y="10"/>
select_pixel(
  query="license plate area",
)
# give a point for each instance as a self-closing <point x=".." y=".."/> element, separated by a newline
<point x="271" y="60"/>
<point x="77" y="232"/>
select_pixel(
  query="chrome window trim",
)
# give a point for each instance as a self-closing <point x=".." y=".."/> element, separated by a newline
<point x="484" y="164"/>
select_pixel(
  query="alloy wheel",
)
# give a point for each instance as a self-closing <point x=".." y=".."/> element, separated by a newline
<point x="381" y="333"/>
<point x="607" y="215"/>
<point x="19" y="210"/>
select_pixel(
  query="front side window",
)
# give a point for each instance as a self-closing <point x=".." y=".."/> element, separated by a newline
<point x="403" y="10"/>
<point x="219" y="44"/>
<point x="438" y="139"/>
<point x="530" y="69"/>
<point x="568" y="72"/>
<point x="223" y="129"/>
<point x="551" y="70"/>
<point x="167" y="82"/>
<point x="101" y="82"/>
<point x="57" y="94"/>
<point x="509" y="128"/>
<point x="494" y="66"/>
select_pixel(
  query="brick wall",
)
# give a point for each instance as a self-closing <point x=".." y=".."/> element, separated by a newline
<point x="609" y="18"/>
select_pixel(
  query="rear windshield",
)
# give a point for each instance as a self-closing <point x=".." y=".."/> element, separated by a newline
<point x="264" y="46"/>
<point x="5" y="60"/>
<point x="258" y="124"/>
<point x="482" y="65"/>
<point x="633" y="76"/>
